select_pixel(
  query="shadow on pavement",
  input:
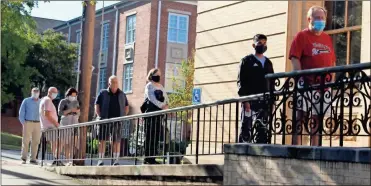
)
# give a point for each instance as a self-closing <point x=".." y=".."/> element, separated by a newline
<point x="25" y="176"/>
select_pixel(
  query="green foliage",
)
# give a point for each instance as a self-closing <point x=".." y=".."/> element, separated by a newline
<point x="182" y="95"/>
<point x="54" y="59"/>
<point x="28" y="59"/>
<point x="17" y="27"/>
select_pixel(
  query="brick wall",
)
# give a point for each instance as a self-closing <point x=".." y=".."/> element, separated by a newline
<point x="247" y="169"/>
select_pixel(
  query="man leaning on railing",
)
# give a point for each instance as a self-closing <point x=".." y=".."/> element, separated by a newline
<point x="311" y="48"/>
<point x="251" y="80"/>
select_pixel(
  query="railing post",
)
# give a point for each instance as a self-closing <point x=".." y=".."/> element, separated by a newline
<point x="237" y="121"/>
<point x="198" y="134"/>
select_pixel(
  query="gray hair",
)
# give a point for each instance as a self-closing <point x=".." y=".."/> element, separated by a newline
<point x="314" y="8"/>
<point x="111" y="78"/>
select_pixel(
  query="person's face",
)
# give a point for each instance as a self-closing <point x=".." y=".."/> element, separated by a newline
<point x="317" y="15"/>
<point x="158" y="73"/>
<point x="74" y="94"/>
<point x="113" y="85"/>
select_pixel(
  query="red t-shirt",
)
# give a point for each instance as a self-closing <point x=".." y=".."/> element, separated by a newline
<point x="313" y="51"/>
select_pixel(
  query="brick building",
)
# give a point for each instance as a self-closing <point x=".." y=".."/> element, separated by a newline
<point x="129" y="44"/>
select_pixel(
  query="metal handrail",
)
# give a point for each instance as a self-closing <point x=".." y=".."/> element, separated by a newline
<point x="156" y="113"/>
<point x="360" y="66"/>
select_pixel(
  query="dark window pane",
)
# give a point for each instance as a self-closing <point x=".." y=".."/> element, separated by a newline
<point x="355" y="47"/>
<point x="340" y="46"/>
<point x="335" y="14"/>
<point x="354" y="13"/>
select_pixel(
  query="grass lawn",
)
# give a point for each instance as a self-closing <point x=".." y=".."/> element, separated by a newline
<point x="10" y="141"/>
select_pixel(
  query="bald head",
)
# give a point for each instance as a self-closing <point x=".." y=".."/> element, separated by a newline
<point x="52" y="90"/>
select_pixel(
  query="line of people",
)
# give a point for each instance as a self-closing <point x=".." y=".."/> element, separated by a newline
<point x="37" y="115"/>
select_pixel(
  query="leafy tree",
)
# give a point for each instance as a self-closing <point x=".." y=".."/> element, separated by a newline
<point x="54" y="60"/>
<point x="183" y="88"/>
<point x="16" y="29"/>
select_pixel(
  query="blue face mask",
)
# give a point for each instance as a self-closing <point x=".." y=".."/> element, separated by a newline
<point x="319" y="25"/>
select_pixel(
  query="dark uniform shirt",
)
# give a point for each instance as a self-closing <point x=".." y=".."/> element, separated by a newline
<point x="114" y="105"/>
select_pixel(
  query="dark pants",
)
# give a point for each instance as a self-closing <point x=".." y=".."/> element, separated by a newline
<point x="254" y="128"/>
<point x="154" y="134"/>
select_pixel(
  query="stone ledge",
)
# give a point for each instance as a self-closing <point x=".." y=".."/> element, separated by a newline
<point x="142" y="170"/>
<point x="338" y="154"/>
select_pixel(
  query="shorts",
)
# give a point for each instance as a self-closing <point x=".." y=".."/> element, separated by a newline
<point x="110" y="130"/>
<point x="309" y="101"/>
<point x="50" y="134"/>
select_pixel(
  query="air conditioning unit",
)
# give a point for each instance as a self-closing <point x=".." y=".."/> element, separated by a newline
<point x="129" y="53"/>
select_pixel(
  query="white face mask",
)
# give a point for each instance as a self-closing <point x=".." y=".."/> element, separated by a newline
<point x="54" y="95"/>
<point x="71" y="98"/>
<point x="35" y="95"/>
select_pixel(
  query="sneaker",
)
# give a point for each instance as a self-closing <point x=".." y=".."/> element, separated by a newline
<point x="33" y="162"/>
<point x="69" y="164"/>
<point x="100" y="163"/>
<point x="116" y="163"/>
<point x="23" y="161"/>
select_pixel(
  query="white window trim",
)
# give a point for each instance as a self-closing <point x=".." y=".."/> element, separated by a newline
<point x="168" y="24"/>
<point x="105" y="21"/>
<point x="126" y="28"/>
<point x="179" y="12"/>
<point x="130" y="13"/>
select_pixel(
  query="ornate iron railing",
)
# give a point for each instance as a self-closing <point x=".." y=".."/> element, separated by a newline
<point x="172" y="135"/>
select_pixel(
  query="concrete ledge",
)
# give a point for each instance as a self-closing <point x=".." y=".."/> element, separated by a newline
<point x="142" y="170"/>
<point x="338" y="154"/>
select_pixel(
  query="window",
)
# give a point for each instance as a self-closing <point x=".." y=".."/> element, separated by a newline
<point x="177" y="28"/>
<point x="174" y="79"/>
<point x="344" y="20"/>
<point x="104" y="43"/>
<point x="128" y="77"/>
<point x="102" y="78"/>
<point x="130" y="29"/>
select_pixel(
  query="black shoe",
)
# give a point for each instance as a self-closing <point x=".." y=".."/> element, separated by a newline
<point x="23" y="161"/>
<point x="100" y="163"/>
<point x="33" y="162"/>
<point x="116" y="163"/>
<point x="59" y="163"/>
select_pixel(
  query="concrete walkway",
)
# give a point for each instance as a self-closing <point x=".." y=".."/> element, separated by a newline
<point x="15" y="173"/>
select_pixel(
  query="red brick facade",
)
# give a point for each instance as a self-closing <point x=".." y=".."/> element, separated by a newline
<point x="145" y="43"/>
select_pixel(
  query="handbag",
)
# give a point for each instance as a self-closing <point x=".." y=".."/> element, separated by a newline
<point x="148" y="106"/>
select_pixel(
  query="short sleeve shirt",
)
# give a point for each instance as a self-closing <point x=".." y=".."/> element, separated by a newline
<point x="46" y="104"/>
<point x="313" y="51"/>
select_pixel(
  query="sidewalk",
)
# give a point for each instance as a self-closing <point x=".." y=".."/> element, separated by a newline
<point x="14" y="173"/>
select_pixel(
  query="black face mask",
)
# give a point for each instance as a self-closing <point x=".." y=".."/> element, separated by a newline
<point x="260" y="49"/>
<point x="156" y="79"/>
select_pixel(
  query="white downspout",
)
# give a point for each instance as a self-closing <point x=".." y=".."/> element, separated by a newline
<point x="114" y="60"/>
<point x="69" y="32"/>
<point x="158" y="32"/>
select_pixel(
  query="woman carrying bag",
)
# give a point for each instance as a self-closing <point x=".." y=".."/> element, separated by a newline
<point x="155" y="99"/>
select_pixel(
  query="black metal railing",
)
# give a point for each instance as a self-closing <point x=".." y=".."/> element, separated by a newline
<point x="191" y="132"/>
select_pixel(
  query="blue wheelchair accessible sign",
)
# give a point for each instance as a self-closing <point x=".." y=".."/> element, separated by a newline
<point x="196" y="96"/>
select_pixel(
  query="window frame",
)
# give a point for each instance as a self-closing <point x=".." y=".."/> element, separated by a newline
<point x="104" y="44"/>
<point x="130" y="78"/>
<point x="102" y="79"/>
<point x="345" y="29"/>
<point x="133" y="30"/>
<point x="177" y="27"/>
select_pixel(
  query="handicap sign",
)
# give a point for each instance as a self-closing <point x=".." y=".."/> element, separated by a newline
<point x="196" y="96"/>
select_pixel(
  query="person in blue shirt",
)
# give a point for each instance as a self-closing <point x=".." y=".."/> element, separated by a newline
<point x="30" y="119"/>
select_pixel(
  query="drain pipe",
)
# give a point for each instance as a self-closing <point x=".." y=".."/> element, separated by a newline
<point x="69" y="32"/>
<point x="158" y="32"/>
<point x="114" y="61"/>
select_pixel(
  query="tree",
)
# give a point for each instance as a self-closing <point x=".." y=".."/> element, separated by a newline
<point x="16" y="29"/>
<point x="54" y="60"/>
<point x="183" y="87"/>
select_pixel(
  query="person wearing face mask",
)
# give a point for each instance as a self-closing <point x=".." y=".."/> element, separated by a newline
<point x="69" y="110"/>
<point x="30" y="119"/>
<point x="251" y="80"/>
<point x="49" y="120"/>
<point x="312" y="48"/>
<point x="155" y="99"/>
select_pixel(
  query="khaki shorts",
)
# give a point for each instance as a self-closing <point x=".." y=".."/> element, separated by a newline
<point x="309" y="101"/>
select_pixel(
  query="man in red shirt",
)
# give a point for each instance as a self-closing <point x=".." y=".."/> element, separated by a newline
<point x="312" y="48"/>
